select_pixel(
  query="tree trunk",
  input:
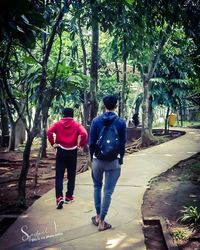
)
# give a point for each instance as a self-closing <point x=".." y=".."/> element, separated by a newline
<point x="86" y="113"/>
<point x="4" y="127"/>
<point x="11" y="146"/>
<point x="150" y="115"/>
<point x="44" y="144"/>
<point x="83" y="48"/>
<point x="123" y="90"/>
<point x="12" y="123"/>
<point x="123" y="97"/>
<point x="85" y="94"/>
<point x="117" y="71"/>
<point x="37" y="163"/>
<point x="20" y="133"/>
<point x="147" y="136"/>
<point x="145" y="133"/>
<point x="43" y="153"/>
<point x="94" y="66"/>
<point x="26" y="157"/>
<point x="166" y="121"/>
<point x="118" y="81"/>
<point x="181" y="112"/>
<point x="24" y="171"/>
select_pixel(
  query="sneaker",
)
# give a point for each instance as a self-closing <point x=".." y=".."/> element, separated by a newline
<point x="69" y="199"/>
<point x="59" y="202"/>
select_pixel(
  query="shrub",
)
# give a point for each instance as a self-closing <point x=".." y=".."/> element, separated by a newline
<point x="191" y="216"/>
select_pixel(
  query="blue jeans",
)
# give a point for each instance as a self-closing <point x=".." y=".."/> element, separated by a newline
<point x="100" y="170"/>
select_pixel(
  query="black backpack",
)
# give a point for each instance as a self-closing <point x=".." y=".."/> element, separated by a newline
<point x="108" y="144"/>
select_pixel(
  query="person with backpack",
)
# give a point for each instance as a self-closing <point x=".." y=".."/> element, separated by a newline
<point x="107" y="141"/>
<point x="66" y="135"/>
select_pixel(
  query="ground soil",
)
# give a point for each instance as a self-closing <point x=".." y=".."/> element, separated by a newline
<point x="166" y="196"/>
<point x="173" y="189"/>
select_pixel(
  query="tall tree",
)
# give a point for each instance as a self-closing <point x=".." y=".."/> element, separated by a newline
<point x="40" y="100"/>
<point x="161" y="16"/>
<point x="94" y="64"/>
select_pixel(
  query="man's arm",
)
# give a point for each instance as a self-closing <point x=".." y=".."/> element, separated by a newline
<point x="83" y="136"/>
<point x="50" y="133"/>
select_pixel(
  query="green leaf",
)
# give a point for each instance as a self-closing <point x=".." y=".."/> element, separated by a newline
<point x="28" y="60"/>
<point x="20" y="29"/>
<point x="25" y="19"/>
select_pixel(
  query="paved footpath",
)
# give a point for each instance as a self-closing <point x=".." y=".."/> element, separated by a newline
<point x="44" y="227"/>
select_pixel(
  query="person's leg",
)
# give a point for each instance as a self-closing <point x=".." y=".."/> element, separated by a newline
<point x="71" y="171"/>
<point x="111" y="177"/>
<point x="97" y="176"/>
<point x="60" y="170"/>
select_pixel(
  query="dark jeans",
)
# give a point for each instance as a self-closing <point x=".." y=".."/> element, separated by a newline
<point x="65" y="159"/>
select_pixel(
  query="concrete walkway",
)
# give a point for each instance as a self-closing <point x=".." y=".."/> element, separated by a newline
<point x="44" y="227"/>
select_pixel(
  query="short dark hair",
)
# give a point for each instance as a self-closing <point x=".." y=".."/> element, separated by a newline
<point x="68" y="112"/>
<point x="110" y="101"/>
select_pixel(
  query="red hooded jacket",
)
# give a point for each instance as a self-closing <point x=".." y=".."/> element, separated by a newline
<point x="67" y="132"/>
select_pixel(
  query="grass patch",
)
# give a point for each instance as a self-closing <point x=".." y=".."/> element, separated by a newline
<point x="190" y="123"/>
<point x="178" y="124"/>
<point x="180" y="234"/>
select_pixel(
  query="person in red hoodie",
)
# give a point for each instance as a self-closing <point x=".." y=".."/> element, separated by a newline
<point x="66" y="135"/>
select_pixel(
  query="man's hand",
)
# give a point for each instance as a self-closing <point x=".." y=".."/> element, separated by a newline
<point x="80" y="149"/>
<point x="55" y="145"/>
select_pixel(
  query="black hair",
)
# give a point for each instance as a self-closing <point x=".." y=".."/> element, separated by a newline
<point x="110" y="101"/>
<point x="68" y="112"/>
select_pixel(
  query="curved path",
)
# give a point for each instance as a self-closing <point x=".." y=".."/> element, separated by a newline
<point x="44" y="227"/>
